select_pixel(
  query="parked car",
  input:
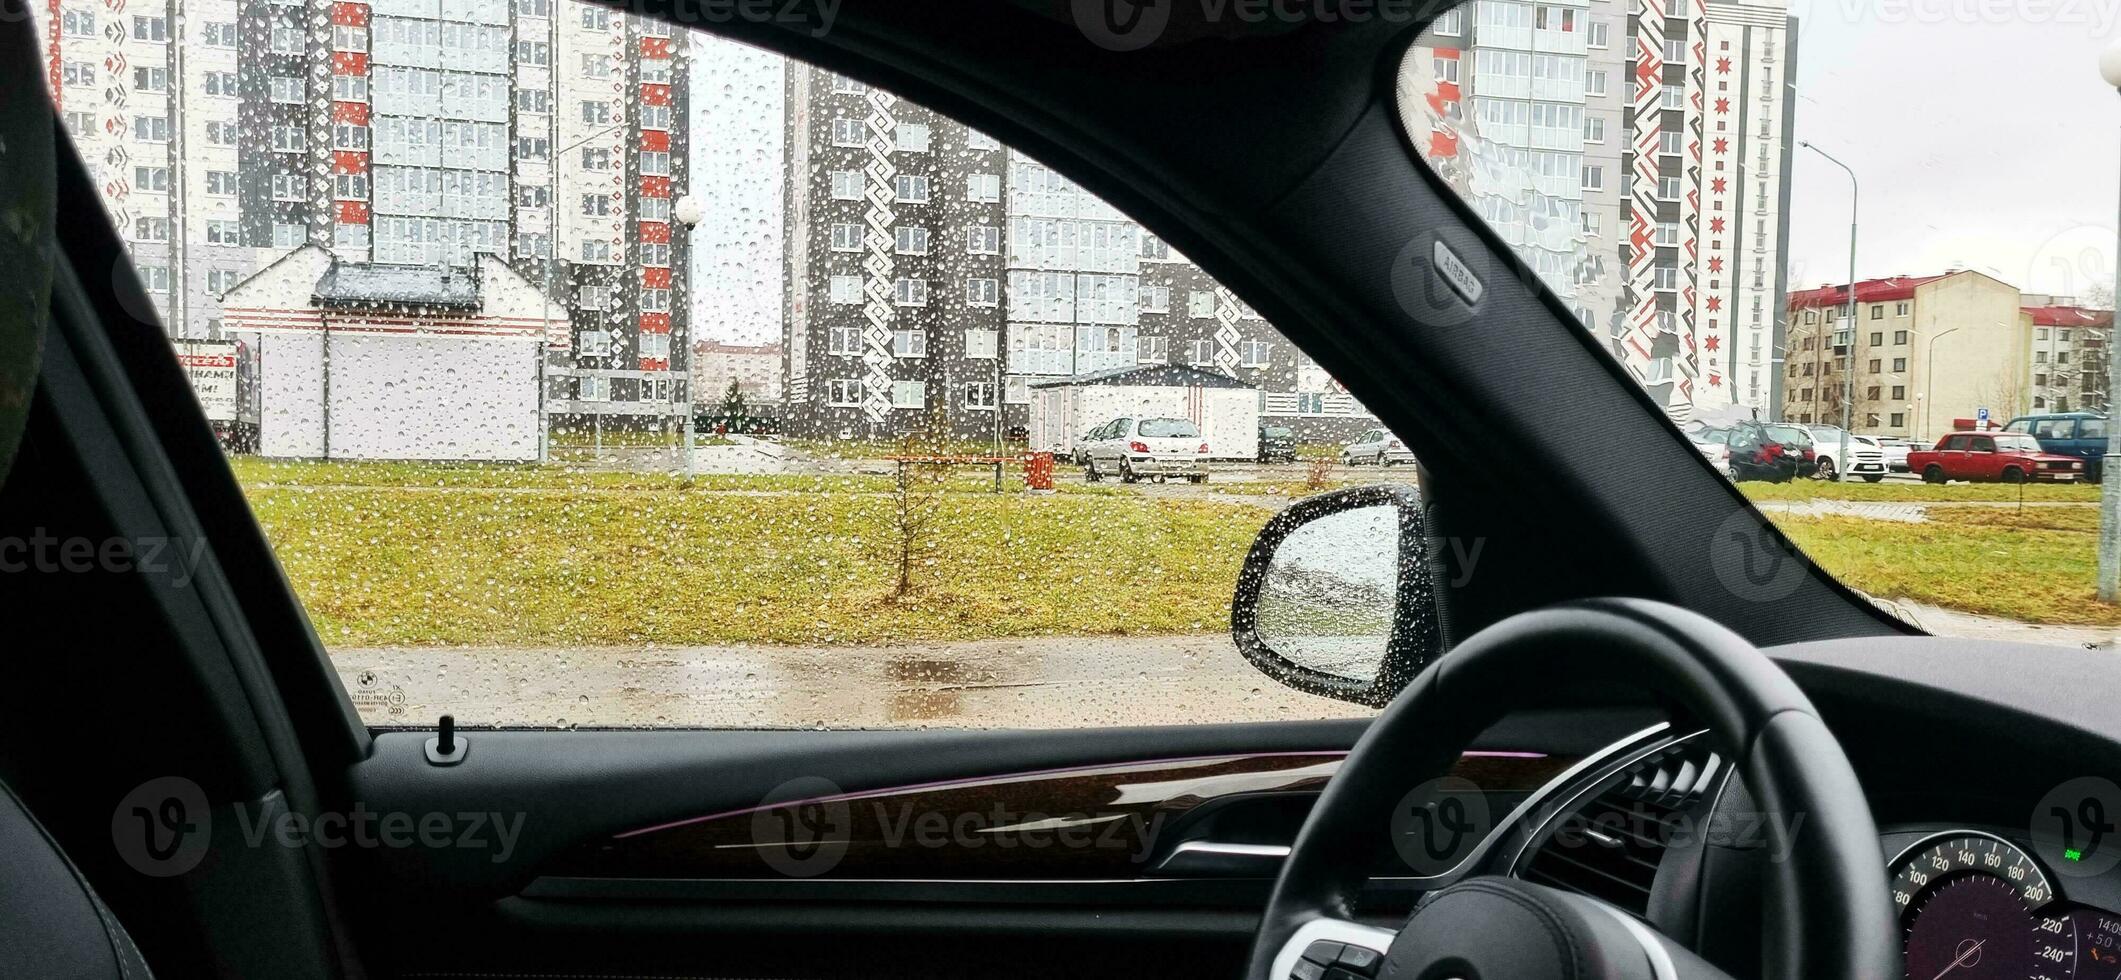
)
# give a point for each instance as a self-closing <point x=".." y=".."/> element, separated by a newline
<point x="1133" y="449"/>
<point x="2011" y="457"/>
<point x="1377" y="446"/>
<point x="1714" y="445"/>
<point x="2077" y="434"/>
<point x="1277" y="444"/>
<point x="1895" y="450"/>
<point x="1837" y="453"/>
<point x="1757" y="454"/>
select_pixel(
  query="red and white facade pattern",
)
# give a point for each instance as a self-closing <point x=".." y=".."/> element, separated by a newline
<point x="1647" y="321"/>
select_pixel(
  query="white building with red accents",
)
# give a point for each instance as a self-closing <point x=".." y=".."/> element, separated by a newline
<point x="361" y="360"/>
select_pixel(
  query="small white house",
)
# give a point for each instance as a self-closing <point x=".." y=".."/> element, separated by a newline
<point x="1226" y="409"/>
<point x="362" y="361"/>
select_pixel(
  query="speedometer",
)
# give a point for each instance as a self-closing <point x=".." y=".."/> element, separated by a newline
<point x="1973" y="906"/>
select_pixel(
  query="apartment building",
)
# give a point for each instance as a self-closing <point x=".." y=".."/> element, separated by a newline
<point x="2065" y="355"/>
<point x="754" y="368"/>
<point x="1635" y="156"/>
<point x="224" y="134"/>
<point x="1926" y="350"/>
<point x="933" y="275"/>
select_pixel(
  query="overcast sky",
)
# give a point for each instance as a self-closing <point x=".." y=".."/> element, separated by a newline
<point x="1980" y="130"/>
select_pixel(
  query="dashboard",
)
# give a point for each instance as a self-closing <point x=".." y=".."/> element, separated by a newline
<point x="1990" y="769"/>
<point x="1976" y="905"/>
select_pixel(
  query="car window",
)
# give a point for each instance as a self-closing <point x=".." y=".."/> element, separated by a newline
<point x="1982" y="444"/>
<point x="1956" y="443"/>
<point x="1169" y="429"/>
<point x="583" y="371"/>
<point x="2091" y="428"/>
<point x="1685" y="179"/>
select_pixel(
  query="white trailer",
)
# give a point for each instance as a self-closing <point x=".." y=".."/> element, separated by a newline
<point x="1225" y="409"/>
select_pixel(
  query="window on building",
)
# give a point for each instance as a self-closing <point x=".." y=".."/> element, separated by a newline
<point x="910" y="137"/>
<point x="909" y="292"/>
<point x="150" y="28"/>
<point x="912" y="189"/>
<point x="845" y="289"/>
<point x="909" y="343"/>
<point x="982" y="292"/>
<point x="980" y="343"/>
<point x="1899" y="364"/>
<point x="983" y="188"/>
<point x="1200" y="303"/>
<point x="983" y="240"/>
<point x="846" y="185"/>
<point x="1900" y="337"/>
<point x="979" y="395"/>
<point x="909" y="394"/>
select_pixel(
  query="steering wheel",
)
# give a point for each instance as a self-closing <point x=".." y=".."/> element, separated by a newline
<point x="1826" y="910"/>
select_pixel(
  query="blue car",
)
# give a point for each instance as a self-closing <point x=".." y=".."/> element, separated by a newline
<point x="2078" y="434"/>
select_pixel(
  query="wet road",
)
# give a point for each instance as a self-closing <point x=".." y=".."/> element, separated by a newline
<point x="1065" y="682"/>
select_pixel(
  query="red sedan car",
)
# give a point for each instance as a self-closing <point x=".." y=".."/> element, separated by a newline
<point x="2008" y="457"/>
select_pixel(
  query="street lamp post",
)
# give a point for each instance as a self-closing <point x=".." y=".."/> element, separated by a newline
<point x="688" y="212"/>
<point x="2110" y="466"/>
<point x="1848" y="366"/>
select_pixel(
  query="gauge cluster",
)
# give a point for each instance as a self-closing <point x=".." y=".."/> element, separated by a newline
<point x="1974" y="906"/>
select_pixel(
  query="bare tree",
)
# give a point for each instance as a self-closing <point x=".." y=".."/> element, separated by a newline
<point x="916" y="504"/>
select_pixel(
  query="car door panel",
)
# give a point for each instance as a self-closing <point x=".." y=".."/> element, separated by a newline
<point x="612" y="823"/>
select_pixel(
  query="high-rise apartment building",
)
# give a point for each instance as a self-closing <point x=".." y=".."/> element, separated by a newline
<point x="1634" y="156"/>
<point x="933" y="275"/>
<point x="226" y="133"/>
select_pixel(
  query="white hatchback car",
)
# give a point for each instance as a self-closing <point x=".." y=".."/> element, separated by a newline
<point x="1134" y="449"/>
<point x="1377" y="446"/>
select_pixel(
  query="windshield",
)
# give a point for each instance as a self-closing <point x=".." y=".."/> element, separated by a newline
<point x="1169" y="429"/>
<point x="1689" y="179"/>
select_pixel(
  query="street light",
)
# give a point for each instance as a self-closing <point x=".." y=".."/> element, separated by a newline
<point x="2110" y="466"/>
<point x="688" y="211"/>
<point x="1848" y="372"/>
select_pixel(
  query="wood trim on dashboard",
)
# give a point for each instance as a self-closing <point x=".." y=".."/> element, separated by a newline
<point x="1096" y="822"/>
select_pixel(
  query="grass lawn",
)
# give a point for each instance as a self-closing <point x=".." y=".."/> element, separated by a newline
<point x="1919" y="492"/>
<point x="619" y="559"/>
<point x="2034" y="565"/>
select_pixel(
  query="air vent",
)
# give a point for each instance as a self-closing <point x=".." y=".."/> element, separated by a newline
<point x="1609" y="847"/>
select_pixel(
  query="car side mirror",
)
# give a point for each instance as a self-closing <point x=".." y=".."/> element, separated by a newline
<point x="1338" y="595"/>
